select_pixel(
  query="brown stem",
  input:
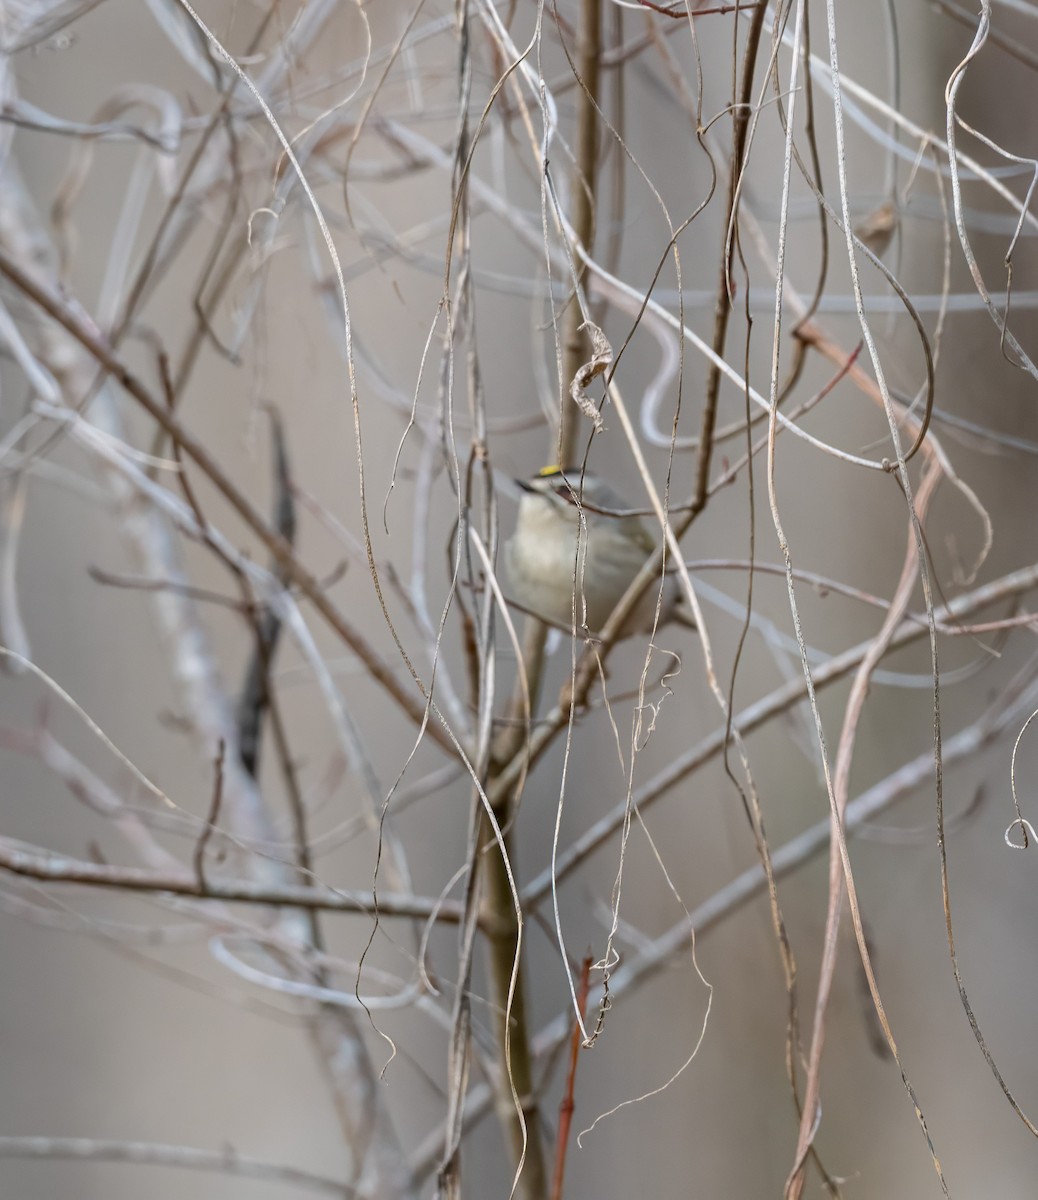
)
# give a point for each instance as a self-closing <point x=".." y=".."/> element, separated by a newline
<point x="585" y="174"/>
<point x="508" y="995"/>
<point x="511" y="1020"/>
<point x="722" y="307"/>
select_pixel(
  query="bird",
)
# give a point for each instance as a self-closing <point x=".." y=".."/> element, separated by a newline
<point x="575" y="537"/>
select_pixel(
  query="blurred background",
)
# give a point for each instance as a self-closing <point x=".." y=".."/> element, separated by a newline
<point x="147" y="193"/>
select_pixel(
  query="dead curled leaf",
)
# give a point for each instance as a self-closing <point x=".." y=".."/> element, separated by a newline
<point x="601" y="360"/>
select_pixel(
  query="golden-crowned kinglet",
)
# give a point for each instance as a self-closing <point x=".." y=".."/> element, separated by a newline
<point x="572" y="537"/>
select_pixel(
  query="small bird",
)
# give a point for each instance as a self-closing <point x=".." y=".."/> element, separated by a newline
<point x="576" y="536"/>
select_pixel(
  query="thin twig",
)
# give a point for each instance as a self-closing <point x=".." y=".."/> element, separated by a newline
<point x="566" y="1104"/>
<point x="223" y="1162"/>
<point x="53" y="868"/>
<point x="210" y="821"/>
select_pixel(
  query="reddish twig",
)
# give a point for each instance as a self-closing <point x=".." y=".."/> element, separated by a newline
<point x="567" y="1105"/>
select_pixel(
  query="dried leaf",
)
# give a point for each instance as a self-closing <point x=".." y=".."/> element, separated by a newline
<point x="877" y="228"/>
<point x="601" y="360"/>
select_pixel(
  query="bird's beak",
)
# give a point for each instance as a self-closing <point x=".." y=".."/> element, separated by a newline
<point x="524" y="485"/>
